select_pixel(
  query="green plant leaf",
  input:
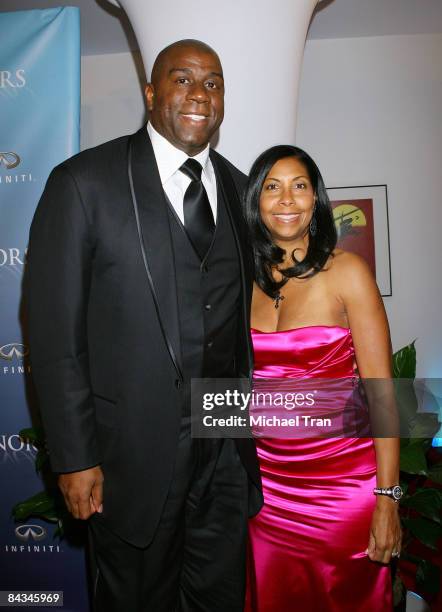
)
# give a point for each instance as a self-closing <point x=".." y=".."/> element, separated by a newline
<point x="404" y="362"/>
<point x="407" y="407"/>
<point x="59" y="532"/>
<point x="435" y="474"/>
<point x="412" y="458"/>
<point x="37" y="505"/>
<point x="428" y="576"/>
<point x="404" y="486"/>
<point x="406" y="556"/>
<point x="424" y="425"/>
<point x="41" y="459"/>
<point x="49" y="515"/>
<point x="424" y="530"/>
<point x="33" y="434"/>
<point x="427" y="502"/>
<point x="425" y="443"/>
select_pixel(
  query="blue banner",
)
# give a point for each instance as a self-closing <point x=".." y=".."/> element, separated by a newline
<point x="39" y="127"/>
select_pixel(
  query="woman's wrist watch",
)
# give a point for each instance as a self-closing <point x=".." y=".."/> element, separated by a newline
<point x="395" y="492"/>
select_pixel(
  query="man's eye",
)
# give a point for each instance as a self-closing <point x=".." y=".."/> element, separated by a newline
<point x="182" y="80"/>
<point x="211" y="85"/>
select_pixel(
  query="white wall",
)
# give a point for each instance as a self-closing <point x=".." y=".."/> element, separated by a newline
<point x="112" y="102"/>
<point x="369" y="113"/>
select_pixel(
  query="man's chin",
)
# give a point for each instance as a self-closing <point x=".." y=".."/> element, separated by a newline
<point x="192" y="145"/>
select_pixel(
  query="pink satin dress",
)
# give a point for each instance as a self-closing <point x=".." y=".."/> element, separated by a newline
<point x="307" y="545"/>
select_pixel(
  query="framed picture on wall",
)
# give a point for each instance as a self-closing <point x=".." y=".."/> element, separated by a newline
<point x="361" y="218"/>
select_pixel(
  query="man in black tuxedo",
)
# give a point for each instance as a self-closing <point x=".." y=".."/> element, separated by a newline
<point x="139" y="279"/>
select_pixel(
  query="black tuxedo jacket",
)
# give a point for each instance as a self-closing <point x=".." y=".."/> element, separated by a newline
<point x="103" y="325"/>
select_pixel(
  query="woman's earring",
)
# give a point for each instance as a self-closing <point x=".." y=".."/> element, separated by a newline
<point x="313" y="226"/>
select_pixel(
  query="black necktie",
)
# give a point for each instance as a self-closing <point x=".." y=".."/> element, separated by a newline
<point x="198" y="217"/>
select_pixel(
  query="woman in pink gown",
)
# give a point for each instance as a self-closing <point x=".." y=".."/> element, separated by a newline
<point x="323" y="540"/>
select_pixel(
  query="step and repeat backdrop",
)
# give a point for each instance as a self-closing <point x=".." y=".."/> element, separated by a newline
<point x="39" y="127"/>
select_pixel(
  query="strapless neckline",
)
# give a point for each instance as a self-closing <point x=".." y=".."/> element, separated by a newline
<point x="295" y="329"/>
<point x="320" y="351"/>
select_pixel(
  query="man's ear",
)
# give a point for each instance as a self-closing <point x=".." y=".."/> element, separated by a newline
<point x="149" y="93"/>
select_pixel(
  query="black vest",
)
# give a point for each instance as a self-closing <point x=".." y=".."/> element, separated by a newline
<point x="208" y="294"/>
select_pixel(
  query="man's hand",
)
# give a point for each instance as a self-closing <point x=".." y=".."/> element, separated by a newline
<point x="83" y="492"/>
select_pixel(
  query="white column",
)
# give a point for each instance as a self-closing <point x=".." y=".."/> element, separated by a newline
<point x="261" y="46"/>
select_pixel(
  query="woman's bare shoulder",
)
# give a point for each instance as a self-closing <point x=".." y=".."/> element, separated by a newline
<point x="346" y="259"/>
<point x="349" y="270"/>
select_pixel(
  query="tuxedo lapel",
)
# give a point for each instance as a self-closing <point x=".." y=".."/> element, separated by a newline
<point x="155" y="241"/>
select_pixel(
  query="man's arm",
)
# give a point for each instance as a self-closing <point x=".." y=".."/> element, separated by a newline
<point x="57" y="284"/>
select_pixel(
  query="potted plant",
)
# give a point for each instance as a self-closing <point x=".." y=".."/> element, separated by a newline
<point x="421" y="480"/>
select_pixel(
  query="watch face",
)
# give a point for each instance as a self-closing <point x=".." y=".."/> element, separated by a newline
<point x="397" y="492"/>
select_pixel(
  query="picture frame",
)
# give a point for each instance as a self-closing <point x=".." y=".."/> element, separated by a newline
<point x="361" y="218"/>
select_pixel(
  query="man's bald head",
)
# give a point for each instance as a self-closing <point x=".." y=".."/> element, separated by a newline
<point x="185" y="97"/>
<point x="187" y="43"/>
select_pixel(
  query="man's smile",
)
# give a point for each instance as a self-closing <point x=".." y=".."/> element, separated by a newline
<point x="194" y="117"/>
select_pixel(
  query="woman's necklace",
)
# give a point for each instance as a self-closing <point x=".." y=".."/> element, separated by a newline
<point x="278" y="299"/>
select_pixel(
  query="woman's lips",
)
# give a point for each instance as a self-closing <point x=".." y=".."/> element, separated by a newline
<point x="287" y="217"/>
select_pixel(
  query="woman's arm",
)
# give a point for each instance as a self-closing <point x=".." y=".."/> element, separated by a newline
<point x="371" y="338"/>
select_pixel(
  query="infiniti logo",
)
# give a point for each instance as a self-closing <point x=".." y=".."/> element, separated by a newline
<point x="36" y="532"/>
<point x="9" y="160"/>
<point x="13" y="351"/>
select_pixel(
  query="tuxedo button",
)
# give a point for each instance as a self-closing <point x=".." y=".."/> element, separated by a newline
<point x="178" y="383"/>
<point x="208" y="306"/>
<point x="209" y="344"/>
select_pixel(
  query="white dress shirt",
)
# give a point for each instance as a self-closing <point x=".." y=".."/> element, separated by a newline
<point x="169" y="159"/>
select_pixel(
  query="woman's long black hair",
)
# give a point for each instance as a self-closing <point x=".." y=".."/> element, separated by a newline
<point x="267" y="255"/>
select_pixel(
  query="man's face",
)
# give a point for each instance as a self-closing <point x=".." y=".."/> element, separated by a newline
<point x="186" y="101"/>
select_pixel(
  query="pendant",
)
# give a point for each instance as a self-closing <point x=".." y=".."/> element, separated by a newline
<point x="278" y="299"/>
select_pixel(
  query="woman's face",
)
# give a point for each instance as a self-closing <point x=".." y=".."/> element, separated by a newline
<point x="287" y="201"/>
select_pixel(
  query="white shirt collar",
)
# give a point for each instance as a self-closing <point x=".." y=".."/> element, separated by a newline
<point x="169" y="158"/>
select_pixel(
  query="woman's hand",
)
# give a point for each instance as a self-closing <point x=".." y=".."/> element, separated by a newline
<point x="385" y="531"/>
